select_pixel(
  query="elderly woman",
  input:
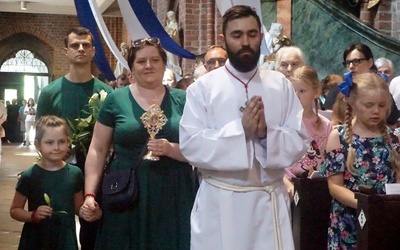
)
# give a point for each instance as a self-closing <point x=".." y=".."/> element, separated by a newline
<point x="288" y="59"/>
<point x="160" y="218"/>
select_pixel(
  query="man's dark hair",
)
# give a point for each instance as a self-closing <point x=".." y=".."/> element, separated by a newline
<point x="80" y="31"/>
<point x="236" y="12"/>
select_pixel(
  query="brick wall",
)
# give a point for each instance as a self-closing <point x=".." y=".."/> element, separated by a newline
<point x="44" y="35"/>
<point x="50" y="29"/>
<point x="118" y="31"/>
<point x="284" y="16"/>
<point x="201" y="24"/>
<point x="199" y="21"/>
<point x="383" y="16"/>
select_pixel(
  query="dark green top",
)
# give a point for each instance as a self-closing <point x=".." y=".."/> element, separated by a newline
<point x="57" y="232"/>
<point x="160" y="219"/>
<point x="66" y="99"/>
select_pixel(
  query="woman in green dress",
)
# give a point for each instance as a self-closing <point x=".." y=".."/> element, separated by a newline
<point x="160" y="218"/>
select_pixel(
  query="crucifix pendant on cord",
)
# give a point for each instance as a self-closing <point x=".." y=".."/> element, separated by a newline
<point x="245" y="85"/>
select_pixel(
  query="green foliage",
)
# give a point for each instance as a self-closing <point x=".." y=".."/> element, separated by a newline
<point x="82" y="128"/>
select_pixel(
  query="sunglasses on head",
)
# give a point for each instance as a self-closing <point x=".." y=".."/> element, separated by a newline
<point x="148" y="40"/>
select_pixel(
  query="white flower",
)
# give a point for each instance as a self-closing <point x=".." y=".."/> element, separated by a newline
<point x="103" y="95"/>
<point x="94" y="97"/>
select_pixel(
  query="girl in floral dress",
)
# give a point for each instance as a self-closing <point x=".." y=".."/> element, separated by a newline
<point x="305" y="82"/>
<point x="363" y="150"/>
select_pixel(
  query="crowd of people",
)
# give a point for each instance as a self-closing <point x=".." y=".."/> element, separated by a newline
<point x="229" y="142"/>
<point x="17" y="121"/>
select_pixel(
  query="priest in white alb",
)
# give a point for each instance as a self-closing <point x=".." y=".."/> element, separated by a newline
<point x="241" y="127"/>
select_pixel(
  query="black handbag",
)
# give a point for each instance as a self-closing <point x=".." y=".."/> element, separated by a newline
<point x="121" y="188"/>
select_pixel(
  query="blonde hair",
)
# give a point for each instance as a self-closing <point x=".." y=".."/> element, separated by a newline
<point x="50" y="121"/>
<point x="309" y="76"/>
<point x="370" y="82"/>
<point x="339" y="110"/>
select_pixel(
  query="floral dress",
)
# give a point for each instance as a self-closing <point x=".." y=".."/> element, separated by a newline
<point x="373" y="168"/>
<point x="313" y="157"/>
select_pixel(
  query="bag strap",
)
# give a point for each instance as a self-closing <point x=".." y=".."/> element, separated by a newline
<point x="110" y="159"/>
<point x="138" y="162"/>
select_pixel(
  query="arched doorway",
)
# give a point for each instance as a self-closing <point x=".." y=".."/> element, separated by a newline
<point x="22" y="75"/>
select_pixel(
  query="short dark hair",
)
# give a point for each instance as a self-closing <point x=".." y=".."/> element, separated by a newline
<point x="133" y="51"/>
<point x="236" y="12"/>
<point x="360" y="47"/>
<point x="80" y="31"/>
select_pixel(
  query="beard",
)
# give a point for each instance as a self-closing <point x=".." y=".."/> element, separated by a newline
<point x="243" y="63"/>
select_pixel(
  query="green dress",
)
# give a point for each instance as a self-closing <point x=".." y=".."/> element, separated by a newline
<point x="160" y="219"/>
<point x="57" y="232"/>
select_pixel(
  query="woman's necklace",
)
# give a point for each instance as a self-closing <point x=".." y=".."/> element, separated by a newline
<point x="145" y="98"/>
<point x="245" y="85"/>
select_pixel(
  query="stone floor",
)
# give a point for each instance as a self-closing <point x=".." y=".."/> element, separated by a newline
<point x="15" y="159"/>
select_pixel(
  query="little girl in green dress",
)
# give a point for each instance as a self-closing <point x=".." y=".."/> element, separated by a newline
<point x="53" y="190"/>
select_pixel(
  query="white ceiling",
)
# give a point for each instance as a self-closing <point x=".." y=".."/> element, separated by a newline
<point x="64" y="7"/>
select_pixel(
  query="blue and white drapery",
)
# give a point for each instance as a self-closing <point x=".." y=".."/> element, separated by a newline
<point x="106" y="34"/>
<point x="140" y="21"/>
<point x="87" y="20"/>
<point x="148" y="20"/>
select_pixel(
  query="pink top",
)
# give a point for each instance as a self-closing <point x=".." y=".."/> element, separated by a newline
<point x="315" y="153"/>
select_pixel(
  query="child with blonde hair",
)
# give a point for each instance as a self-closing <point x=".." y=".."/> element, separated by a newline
<point x="362" y="151"/>
<point x="53" y="190"/>
<point x="308" y="89"/>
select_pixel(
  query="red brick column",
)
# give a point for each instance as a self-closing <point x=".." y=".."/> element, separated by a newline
<point x="196" y="18"/>
<point x="367" y="16"/>
<point x="284" y="16"/>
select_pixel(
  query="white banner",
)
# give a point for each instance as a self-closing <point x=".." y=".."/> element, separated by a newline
<point x="106" y="34"/>
<point x="135" y="29"/>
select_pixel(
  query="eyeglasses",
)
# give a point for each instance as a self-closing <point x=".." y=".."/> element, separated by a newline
<point x="143" y="41"/>
<point x="221" y="61"/>
<point x="355" y="62"/>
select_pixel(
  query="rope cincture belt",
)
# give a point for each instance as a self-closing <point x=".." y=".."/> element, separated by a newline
<point x="270" y="189"/>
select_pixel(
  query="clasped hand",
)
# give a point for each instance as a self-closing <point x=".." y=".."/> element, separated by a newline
<point x="253" y="119"/>
<point x="90" y="210"/>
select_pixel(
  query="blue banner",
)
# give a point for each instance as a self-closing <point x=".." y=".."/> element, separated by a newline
<point x="153" y="27"/>
<point x="87" y="20"/>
